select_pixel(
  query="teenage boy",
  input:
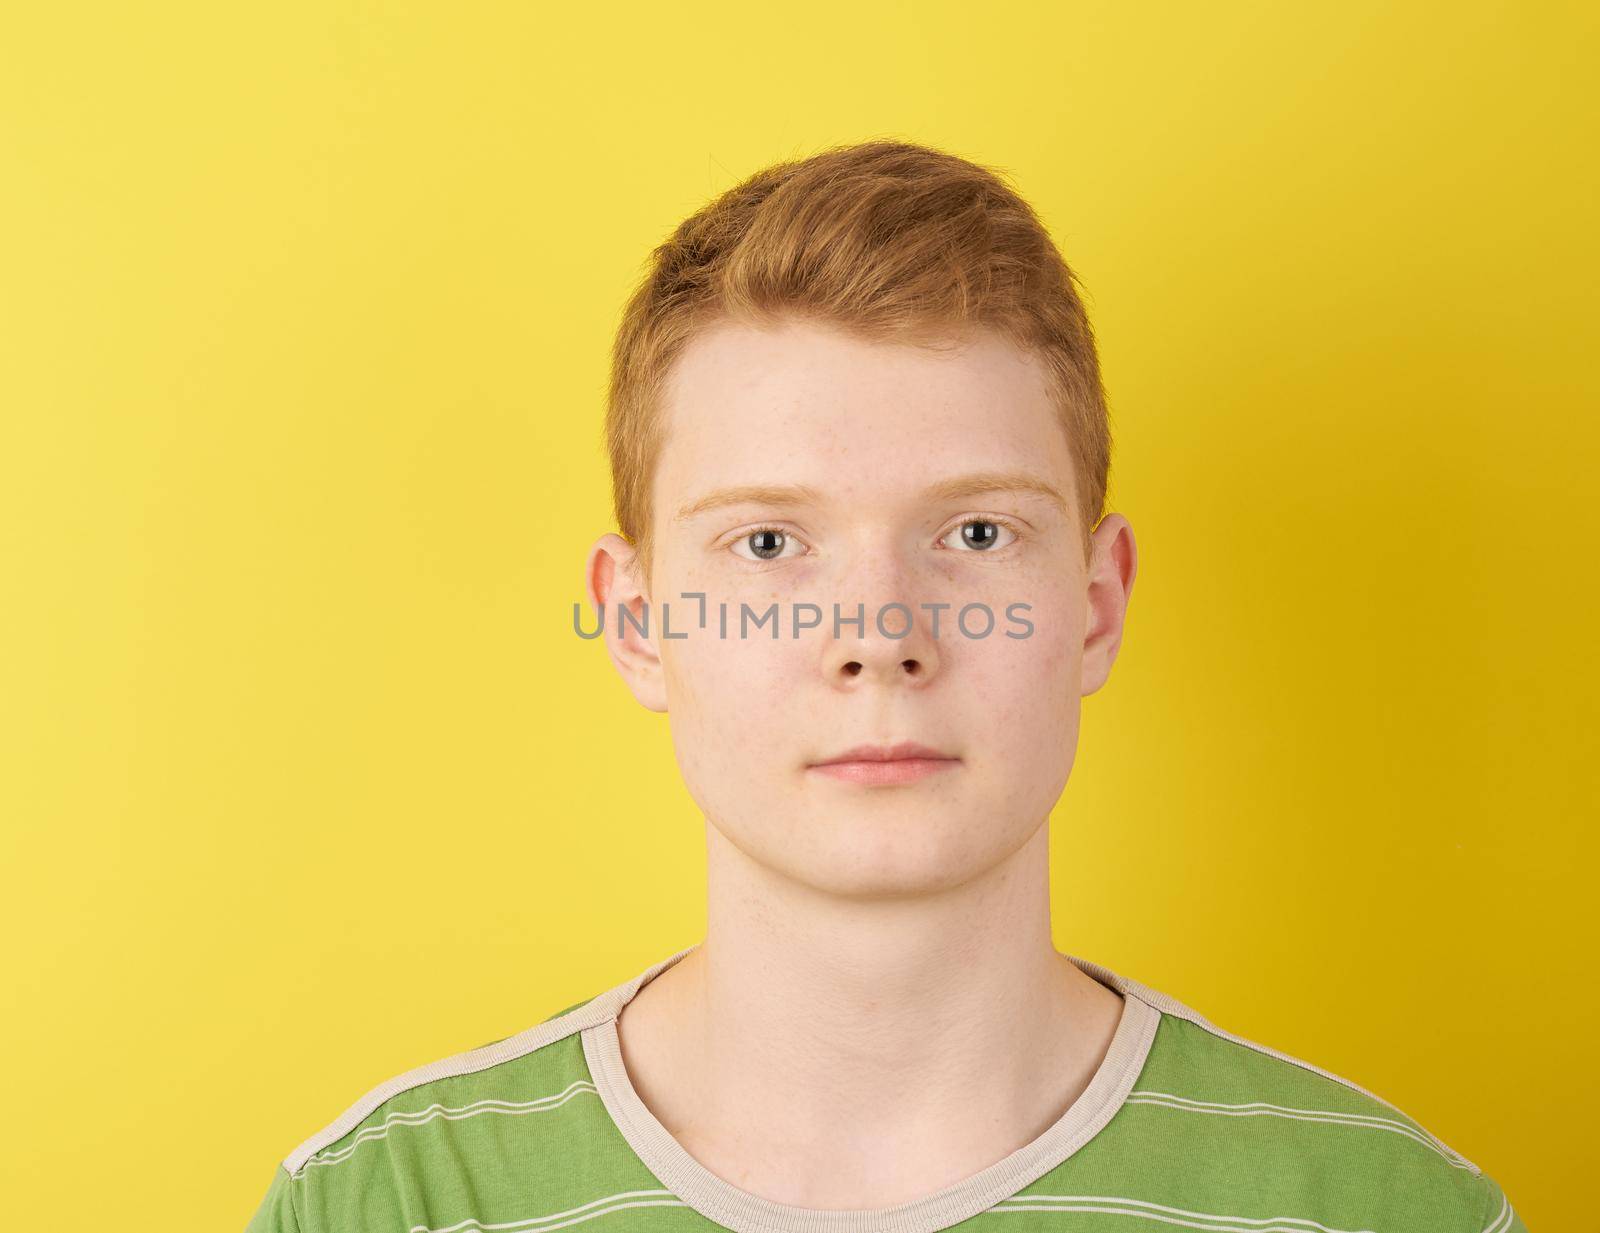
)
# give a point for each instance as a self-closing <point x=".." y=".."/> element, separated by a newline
<point x="859" y="448"/>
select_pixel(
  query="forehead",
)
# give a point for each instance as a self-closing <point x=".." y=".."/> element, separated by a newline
<point x="808" y="403"/>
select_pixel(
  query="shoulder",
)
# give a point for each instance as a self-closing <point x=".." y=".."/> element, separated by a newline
<point x="446" y="1125"/>
<point x="515" y="1065"/>
<point x="1300" y="1132"/>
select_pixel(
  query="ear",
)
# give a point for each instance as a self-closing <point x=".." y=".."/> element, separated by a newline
<point x="611" y="583"/>
<point x="1112" y="565"/>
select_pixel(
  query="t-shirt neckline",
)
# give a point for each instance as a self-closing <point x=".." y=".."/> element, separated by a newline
<point x="739" y="1210"/>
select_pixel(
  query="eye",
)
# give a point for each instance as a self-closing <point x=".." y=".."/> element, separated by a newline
<point x="764" y="544"/>
<point x="984" y="535"/>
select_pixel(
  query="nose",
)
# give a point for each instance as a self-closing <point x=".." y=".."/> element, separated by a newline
<point x="893" y="646"/>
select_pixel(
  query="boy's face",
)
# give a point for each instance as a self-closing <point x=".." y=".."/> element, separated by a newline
<point x="871" y="430"/>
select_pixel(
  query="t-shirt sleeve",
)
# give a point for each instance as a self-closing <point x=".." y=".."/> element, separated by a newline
<point x="1497" y="1215"/>
<point x="277" y="1213"/>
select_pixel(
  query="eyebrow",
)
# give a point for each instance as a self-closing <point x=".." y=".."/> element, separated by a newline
<point x="957" y="487"/>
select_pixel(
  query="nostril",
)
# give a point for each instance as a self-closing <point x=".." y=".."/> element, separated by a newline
<point x="911" y="666"/>
<point x="853" y="668"/>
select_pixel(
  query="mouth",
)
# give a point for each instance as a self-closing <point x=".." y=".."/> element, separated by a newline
<point x="886" y="764"/>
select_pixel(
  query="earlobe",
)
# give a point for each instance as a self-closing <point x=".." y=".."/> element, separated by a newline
<point x="620" y="603"/>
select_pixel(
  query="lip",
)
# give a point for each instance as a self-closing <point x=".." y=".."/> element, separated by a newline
<point x="886" y="764"/>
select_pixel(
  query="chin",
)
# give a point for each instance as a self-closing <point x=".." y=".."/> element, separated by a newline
<point x="874" y="853"/>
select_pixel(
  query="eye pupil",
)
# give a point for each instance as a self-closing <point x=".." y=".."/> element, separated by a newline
<point x="760" y="545"/>
<point x="980" y="540"/>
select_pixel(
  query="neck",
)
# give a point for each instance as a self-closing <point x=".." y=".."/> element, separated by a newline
<point x="911" y="1041"/>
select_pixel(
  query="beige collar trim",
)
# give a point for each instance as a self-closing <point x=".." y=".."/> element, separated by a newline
<point x="744" y="1212"/>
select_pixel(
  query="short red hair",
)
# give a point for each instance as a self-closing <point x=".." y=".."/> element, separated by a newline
<point x="886" y="239"/>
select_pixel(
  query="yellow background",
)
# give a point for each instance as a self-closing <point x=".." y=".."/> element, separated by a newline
<point x="306" y="316"/>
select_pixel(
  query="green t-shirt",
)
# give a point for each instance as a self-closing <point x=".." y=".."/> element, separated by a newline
<point x="1184" y="1125"/>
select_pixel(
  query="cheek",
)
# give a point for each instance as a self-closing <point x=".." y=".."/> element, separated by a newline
<point x="1035" y="673"/>
<point x="731" y="705"/>
<point x="731" y="680"/>
<point x="1026" y="694"/>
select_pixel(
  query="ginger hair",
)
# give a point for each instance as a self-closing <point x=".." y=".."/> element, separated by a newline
<point x="888" y="240"/>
